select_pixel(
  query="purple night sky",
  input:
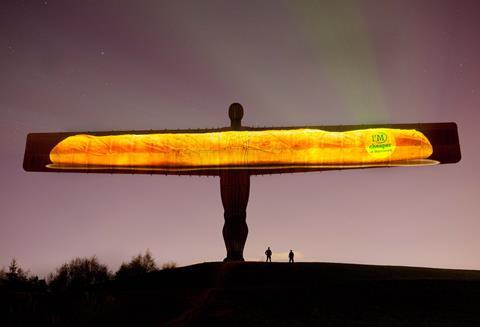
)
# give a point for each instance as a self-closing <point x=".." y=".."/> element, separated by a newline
<point x="122" y="65"/>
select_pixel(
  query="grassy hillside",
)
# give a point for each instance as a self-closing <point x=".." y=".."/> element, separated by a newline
<point x="259" y="294"/>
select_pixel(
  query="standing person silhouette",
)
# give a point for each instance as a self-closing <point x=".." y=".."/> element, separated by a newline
<point x="290" y="257"/>
<point x="268" y="253"/>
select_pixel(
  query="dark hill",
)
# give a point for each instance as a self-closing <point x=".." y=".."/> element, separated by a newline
<point x="279" y="294"/>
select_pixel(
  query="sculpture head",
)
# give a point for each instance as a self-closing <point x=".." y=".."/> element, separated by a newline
<point x="235" y="112"/>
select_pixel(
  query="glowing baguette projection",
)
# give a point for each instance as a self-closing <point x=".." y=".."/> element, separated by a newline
<point x="243" y="148"/>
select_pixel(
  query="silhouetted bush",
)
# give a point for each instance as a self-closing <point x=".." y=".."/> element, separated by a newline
<point x="169" y="265"/>
<point x="139" y="265"/>
<point x="79" y="273"/>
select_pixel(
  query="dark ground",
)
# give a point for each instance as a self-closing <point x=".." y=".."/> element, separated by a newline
<point x="261" y="294"/>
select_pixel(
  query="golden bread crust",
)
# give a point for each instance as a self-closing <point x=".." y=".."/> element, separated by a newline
<point x="243" y="148"/>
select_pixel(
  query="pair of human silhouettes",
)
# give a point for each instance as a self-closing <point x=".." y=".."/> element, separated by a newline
<point x="268" y="253"/>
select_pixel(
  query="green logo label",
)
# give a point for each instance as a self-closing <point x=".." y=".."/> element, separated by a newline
<point x="380" y="143"/>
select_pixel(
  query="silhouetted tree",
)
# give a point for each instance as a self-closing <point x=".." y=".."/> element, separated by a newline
<point x="139" y="265"/>
<point x="18" y="279"/>
<point x="15" y="273"/>
<point x="79" y="273"/>
<point x="3" y="277"/>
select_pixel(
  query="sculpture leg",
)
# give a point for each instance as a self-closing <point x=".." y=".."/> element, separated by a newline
<point x="235" y="188"/>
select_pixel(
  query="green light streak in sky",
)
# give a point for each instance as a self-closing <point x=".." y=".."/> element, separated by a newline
<point x="337" y="32"/>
